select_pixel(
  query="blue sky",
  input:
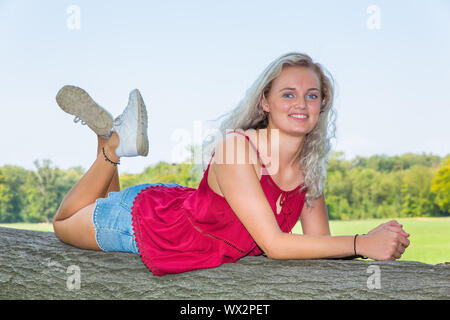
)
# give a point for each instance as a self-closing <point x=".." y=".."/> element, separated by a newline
<point x="194" y="60"/>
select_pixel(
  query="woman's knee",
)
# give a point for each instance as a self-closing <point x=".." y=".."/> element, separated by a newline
<point x="78" y="230"/>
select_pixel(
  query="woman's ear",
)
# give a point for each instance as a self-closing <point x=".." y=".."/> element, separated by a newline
<point x="264" y="104"/>
<point x="323" y="105"/>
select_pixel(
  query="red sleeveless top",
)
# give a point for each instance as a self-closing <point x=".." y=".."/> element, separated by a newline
<point x="179" y="228"/>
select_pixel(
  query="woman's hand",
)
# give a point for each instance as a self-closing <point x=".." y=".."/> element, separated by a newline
<point x="388" y="241"/>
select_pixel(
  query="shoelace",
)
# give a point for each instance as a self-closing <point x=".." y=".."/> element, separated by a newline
<point x="118" y="121"/>
<point x="77" y="119"/>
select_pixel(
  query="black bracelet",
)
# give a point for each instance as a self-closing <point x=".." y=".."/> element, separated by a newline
<point x="354" y="248"/>
<point x="109" y="160"/>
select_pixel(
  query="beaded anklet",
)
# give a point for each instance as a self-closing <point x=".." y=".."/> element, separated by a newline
<point x="109" y="160"/>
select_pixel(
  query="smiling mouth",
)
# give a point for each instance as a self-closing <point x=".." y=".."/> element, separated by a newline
<point x="299" y="116"/>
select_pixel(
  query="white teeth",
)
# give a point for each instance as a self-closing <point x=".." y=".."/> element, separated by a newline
<point x="299" y="116"/>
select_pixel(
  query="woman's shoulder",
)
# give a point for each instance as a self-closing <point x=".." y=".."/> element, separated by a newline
<point x="219" y="157"/>
<point x="244" y="142"/>
<point x="283" y="177"/>
<point x="250" y="133"/>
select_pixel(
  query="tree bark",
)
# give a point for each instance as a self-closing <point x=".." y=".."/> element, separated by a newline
<point x="36" y="265"/>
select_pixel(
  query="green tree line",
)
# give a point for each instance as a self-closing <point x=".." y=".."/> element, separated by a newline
<point x="410" y="185"/>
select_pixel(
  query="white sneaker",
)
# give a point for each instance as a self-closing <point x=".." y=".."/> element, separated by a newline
<point x="77" y="102"/>
<point x="131" y="127"/>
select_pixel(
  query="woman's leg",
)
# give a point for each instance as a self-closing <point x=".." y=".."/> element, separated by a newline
<point x="114" y="186"/>
<point x="73" y="222"/>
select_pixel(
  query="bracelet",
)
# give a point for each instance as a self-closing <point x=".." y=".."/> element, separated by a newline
<point x="109" y="160"/>
<point x="354" y="248"/>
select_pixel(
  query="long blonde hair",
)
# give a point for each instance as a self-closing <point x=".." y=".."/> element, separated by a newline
<point x="247" y="115"/>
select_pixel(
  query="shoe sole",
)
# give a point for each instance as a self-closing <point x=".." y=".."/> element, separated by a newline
<point x="142" y="137"/>
<point x="77" y="102"/>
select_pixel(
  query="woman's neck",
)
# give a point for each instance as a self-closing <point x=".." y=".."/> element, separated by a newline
<point x="289" y="147"/>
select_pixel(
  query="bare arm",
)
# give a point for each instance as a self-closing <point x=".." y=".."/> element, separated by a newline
<point x="241" y="188"/>
<point x="316" y="239"/>
<point x="315" y="219"/>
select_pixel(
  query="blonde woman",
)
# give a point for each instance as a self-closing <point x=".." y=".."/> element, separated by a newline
<point x="266" y="170"/>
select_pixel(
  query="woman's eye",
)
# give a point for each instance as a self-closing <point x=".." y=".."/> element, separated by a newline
<point x="310" y="96"/>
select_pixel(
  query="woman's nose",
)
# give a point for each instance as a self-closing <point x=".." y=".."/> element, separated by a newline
<point x="301" y="103"/>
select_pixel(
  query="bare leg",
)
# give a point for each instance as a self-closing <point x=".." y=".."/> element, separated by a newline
<point x="93" y="184"/>
<point x="73" y="221"/>
<point x="114" y="186"/>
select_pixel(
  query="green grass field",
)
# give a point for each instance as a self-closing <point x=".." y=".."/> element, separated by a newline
<point x="430" y="237"/>
<point x="29" y="226"/>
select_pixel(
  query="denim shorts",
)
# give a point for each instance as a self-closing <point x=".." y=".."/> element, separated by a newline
<point x="112" y="219"/>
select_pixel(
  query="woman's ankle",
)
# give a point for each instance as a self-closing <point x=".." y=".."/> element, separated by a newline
<point x="113" y="141"/>
<point x="106" y="148"/>
<point x="109" y="153"/>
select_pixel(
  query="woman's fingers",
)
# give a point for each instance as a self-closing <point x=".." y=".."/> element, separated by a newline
<point x="393" y="223"/>
<point x="400" y="250"/>
<point x="389" y="241"/>
<point x="405" y="242"/>
<point x="398" y="230"/>
<point x="397" y="255"/>
<point x="402" y="244"/>
<point x="400" y="238"/>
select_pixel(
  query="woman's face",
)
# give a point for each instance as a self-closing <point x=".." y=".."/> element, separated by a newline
<point x="294" y="100"/>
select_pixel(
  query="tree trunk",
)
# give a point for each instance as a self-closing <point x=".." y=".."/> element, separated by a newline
<point x="36" y="265"/>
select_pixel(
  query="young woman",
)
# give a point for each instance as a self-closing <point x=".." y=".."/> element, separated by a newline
<point x="267" y="169"/>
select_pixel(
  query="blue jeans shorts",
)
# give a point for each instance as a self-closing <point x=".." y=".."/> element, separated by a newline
<point x="112" y="219"/>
